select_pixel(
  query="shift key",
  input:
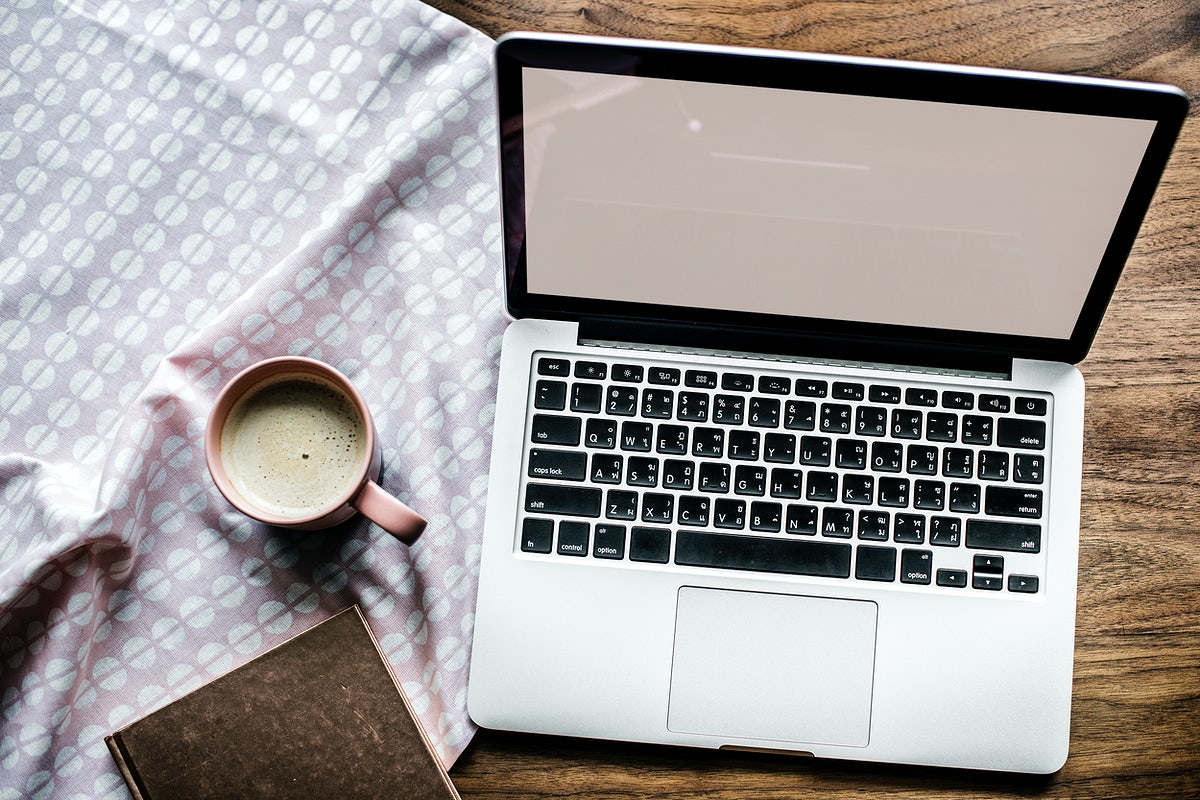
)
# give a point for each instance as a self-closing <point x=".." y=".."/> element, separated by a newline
<point x="575" y="501"/>
<point x="1011" y="537"/>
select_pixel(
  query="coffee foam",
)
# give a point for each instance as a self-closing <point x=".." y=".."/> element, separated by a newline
<point x="293" y="446"/>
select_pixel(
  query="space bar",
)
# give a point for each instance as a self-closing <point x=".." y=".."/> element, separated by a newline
<point x="761" y="554"/>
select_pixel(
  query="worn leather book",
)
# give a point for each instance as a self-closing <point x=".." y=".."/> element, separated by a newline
<point x="321" y="715"/>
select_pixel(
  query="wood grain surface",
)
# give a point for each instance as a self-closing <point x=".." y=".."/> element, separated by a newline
<point x="1136" y="713"/>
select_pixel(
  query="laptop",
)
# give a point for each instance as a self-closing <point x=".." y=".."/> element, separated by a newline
<point x="788" y="435"/>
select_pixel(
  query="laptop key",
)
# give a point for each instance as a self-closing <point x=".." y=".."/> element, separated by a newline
<point x="811" y="388"/>
<point x="576" y="501"/>
<point x="1004" y="501"/>
<point x="643" y="471"/>
<point x="750" y="480"/>
<point x="774" y="384"/>
<point x="906" y="423"/>
<point x="627" y="373"/>
<point x="592" y="370"/>
<point x="729" y="409"/>
<point x="848" y="391"/>
<point x="650" y="544"/>
<point x="537" y="535"/>
<point x="815" y="451"/>
<point x="977" y="430"/>
<point x="1024" y="434"/>
<point x="837" y="522"/>
<point x="945" y="531"/>
<point x="779" y="448"/>
<point x="884" y="394"/>
<point x="693" y="511"/>
<point x="609" y="542"/>
<point x="964" y="498"/>
<point x="1012" y="537"/>
<point x="941" y="427"/>
<point x="700" y="379"/>
<point x="550" y="395"/>
<point x="729" y="514"/>
<point x="763" y="554"/>
<point x="955" y="578"/>
<point x="672" y="440"/>
<point x="871" y="421"/>
<point x="764" y="412"/>
<point x="992" y="583"/>
<point x="601" y="433"/>
<point x="692" y="407"/>
<point x="995" y="403"/>
<point x="909" y="529"/>
<point x="637" y="436"/>
<point x="1023" y="584"/>
<point x="875" y="563"/>
<point x="678" y="474"/>
<point x="658" y="403"/>
<point x="920" y="397"/>
<point x="552" y="429"/>
<point x="744" y="445"/>
<point x="962" y="401"/>
<point x="714" y="477"/>
<point x="664" y="376"/>
<point x="560" y="367"/>
<point x="835" y="418"/>
<point x="874" y="525"/>
<point x="708" y="442"/>
<point x="737" y="382"/>
<point x="1028" y="468"/>
<point x="658" y="508"/>
<point x="621" y="504"/>
<point x="801" y="519"/>
<point x="766" y="517"/>
<point x="573" y="538"/>
<point x="1035" y="406"/>
<point x="622" y="401"/>
<point x="915" y="566"/>
<point x="607" y="468"/>
<point x="587" y="397"/>
<point x="800" y="415"/>
<point x="565" y="465"/>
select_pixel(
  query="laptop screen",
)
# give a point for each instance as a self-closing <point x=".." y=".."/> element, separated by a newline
<point x="860" y="210"/>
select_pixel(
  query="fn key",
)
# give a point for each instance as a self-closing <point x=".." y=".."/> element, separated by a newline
<point x="537" y="535"/>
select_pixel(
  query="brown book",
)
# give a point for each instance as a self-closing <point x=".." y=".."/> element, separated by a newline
<point x="321" y="715"/>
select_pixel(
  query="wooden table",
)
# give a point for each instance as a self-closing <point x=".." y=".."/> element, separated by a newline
<point x="1136" y="714"/>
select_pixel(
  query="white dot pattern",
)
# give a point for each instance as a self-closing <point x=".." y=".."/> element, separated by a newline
<point x="186" y="188"/>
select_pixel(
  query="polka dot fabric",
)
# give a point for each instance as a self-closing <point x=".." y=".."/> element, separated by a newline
<point x="186" y="188"/>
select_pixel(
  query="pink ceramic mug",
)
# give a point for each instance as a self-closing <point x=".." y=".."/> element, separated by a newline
<point x="290" y="442"/>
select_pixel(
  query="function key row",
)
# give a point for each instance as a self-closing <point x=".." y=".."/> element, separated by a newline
<point x="781" y="385"/>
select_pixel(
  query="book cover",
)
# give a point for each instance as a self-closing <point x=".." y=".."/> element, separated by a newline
<point x="321" y="715"/>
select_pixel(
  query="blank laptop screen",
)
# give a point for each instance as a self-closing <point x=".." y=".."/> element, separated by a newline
<point x="818" y="205"/>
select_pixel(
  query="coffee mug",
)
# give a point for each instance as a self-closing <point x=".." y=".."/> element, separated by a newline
<point x="290" y="442"/>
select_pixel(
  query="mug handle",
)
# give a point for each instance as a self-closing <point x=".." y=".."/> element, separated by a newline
<point x="389" y="513"/>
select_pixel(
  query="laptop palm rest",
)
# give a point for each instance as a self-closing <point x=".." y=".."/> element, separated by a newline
<point x="784" y="668"/>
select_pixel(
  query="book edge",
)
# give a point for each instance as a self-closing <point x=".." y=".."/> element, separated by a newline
<point x="125" y="766"/>
<point x="429" y="748"/>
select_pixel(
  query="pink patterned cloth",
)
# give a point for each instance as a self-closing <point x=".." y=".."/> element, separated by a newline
<point x="187" y="188"/>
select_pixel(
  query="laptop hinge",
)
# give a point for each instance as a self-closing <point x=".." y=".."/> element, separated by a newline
<point x="731" y="342"/>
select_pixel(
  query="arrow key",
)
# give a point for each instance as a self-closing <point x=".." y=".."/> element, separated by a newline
<point x="1025" y="584"/>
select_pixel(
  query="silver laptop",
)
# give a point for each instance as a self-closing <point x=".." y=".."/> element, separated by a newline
<point x="788" y="434"/>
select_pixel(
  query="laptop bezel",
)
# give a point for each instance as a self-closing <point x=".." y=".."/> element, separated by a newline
<point x="936" y="347"/>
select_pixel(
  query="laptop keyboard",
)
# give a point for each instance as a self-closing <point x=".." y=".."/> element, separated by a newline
<point x="786" y="472"/>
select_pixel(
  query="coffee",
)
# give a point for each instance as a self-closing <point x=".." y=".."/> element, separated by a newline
<point x="294" y="445"/>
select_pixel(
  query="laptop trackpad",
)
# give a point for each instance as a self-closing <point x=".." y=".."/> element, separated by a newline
<point x="751" y="665"/>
